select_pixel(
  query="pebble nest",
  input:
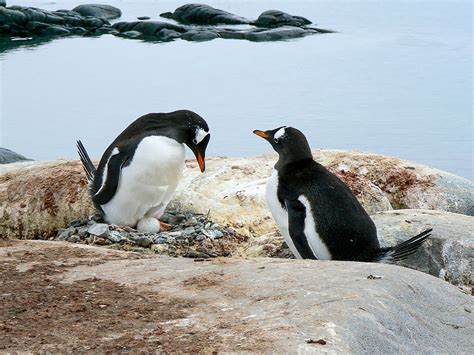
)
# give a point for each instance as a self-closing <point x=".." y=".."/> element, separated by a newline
<point x="191" y="235"/>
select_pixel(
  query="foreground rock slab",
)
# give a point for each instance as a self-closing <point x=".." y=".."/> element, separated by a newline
<point x="91" y="299"/>
<point x="447" y="254"/>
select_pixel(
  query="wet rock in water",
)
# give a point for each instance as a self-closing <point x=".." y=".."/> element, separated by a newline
<point x="53" y="30"/>
<point x="28" y="21"/>
<point x="142" y="18"/>
<point x="148" y="28"/>
<point x="198" y="14"/>
<point x="448" y="253"/>
<point x="277" y="34"/>
<point x="7" y="156"/>
<point x="132" y="34"/>
<point x="3" y="3"/>
<point x="105" y="12"/>
<point x="276" y="18"/>
<point x="10" y="16"/>
<point x="200" y="35"/>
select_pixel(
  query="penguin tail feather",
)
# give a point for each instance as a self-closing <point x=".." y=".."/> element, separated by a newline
<point x="402" y="250"/>
<point x="87" y="164"/>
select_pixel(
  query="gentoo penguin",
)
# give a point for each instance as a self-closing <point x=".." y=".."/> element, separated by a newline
<point x="317" y="214"/>
<point x="139" y="172"/>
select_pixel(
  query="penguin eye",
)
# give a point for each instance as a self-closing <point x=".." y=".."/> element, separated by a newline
<point x="275" y="140"/>
<point x="195" y="141"/>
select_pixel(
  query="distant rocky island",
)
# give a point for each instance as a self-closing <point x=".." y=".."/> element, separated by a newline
<point x="190" y="22"/>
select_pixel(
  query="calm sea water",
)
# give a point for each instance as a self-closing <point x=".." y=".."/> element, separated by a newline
<point x="395" y="80"/>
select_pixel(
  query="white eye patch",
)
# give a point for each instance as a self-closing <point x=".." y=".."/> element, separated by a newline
<point x="280" y="133"/>
<point x="200" y="135"/>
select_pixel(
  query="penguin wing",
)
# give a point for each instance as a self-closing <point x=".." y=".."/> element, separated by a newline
<point x="296" y="226"/>
<point x="111" y="175"/>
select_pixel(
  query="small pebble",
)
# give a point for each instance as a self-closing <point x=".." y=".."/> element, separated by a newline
<point x="98" y="229"/>
<point x="160" y="248"/>
<point x="115" y="237"/>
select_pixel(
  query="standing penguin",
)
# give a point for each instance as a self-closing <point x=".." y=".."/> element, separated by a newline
<point x="317" y="214"/>
<point x="139" y="172"/>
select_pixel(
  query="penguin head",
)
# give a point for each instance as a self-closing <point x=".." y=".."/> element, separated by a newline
<point x="196" y="136"/>
<point x="290" y="143"/>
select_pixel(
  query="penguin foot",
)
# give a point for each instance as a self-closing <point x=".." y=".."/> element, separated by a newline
<point x="164" y="226"/>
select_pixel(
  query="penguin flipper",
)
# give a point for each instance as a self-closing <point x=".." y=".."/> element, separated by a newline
<point x="113" y="168"/>
<point x="296" y="226"/>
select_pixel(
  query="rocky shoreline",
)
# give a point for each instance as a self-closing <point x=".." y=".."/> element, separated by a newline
<point x="196" y="23"/>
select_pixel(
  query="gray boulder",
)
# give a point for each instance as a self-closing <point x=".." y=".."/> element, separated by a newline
<point x="447" y="254"/>
<point x="198" y="14"/>
<point x="105" y="12"/>
<point x="296" y="306"/>
<point x="7" y="156"/>
<point x="10" y="16"/>
<point x="276" y="18"/>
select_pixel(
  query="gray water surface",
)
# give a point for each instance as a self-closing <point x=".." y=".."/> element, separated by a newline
<point x="395" y="80"/>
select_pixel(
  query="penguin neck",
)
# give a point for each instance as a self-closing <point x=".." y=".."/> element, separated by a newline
<point x="286" y="160"/>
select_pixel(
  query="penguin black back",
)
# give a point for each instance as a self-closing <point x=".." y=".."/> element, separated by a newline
<point x="322" y="217"/>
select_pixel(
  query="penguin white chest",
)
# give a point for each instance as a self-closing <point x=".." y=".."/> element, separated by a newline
<point x="146" y="186"/>
<point x="280" y="215"/>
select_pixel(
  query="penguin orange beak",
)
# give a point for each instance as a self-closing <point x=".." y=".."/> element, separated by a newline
<point x="201" y="162"/>
<point x="261" y="134"/>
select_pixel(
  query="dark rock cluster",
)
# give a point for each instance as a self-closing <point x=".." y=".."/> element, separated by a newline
<point x="196" y="23"/>
<point x="29" y="21"/>
<point x="190" y="236"/>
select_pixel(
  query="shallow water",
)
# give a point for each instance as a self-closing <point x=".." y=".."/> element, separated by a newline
<point x="395" y="80"/>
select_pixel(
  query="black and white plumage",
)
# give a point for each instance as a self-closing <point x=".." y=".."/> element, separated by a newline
<point x="317" y="214"/>
<point x="139" y="172"/>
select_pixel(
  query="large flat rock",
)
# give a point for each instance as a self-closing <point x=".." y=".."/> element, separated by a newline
<point x="89" y="299"/>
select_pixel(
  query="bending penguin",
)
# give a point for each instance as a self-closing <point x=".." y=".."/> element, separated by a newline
<point x="140" y="170"/>
<point x="317" y="214"/>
